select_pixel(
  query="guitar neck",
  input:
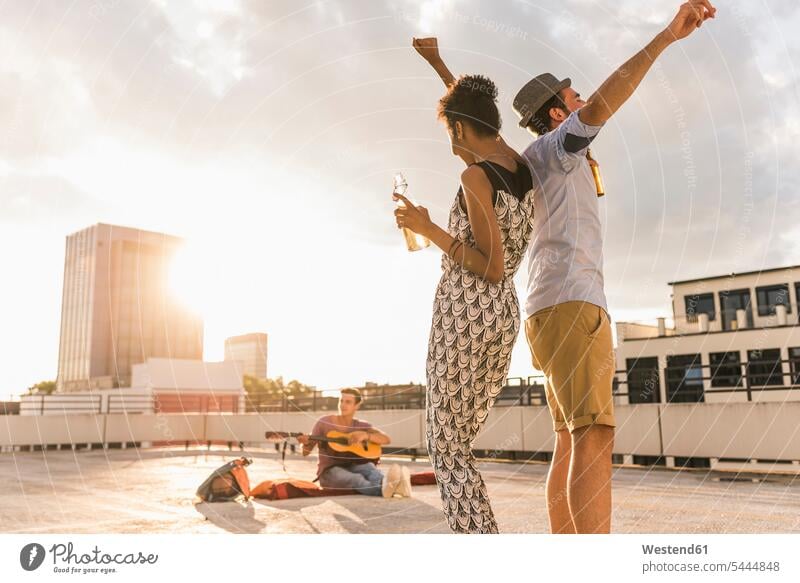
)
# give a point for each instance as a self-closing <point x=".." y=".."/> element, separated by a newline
<point x="324" y="438"/>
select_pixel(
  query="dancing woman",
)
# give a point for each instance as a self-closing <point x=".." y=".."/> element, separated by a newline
<point x="476" y="315"/>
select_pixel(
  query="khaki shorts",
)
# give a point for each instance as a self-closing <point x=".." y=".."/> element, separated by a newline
<point x="571" y="343"/>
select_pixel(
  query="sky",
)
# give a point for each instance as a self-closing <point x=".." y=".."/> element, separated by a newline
<point x="266" y="133"/>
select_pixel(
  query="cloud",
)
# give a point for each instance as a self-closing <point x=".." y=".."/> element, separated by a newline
<point x="45" y="109"/>
<point x="42" y="199"/>
<point x="290" y="119"/>
<point x="699" y="171"/>
<point x="208" y="38"/>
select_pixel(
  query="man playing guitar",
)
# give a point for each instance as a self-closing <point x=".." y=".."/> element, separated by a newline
<point x="348" y="470"/>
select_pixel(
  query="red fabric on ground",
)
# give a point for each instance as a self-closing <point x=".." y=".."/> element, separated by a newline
<point x="289" y="488"/>
<point x="283" y="489"/>
<point x="423" y="479"/>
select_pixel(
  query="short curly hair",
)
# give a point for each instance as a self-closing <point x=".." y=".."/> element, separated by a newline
<point x="471" y="99"/>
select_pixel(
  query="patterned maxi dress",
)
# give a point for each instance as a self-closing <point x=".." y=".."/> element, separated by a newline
<point x="475" y="324"/>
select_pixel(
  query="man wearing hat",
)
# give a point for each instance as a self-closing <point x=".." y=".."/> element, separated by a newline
<point x="567" y="325"/>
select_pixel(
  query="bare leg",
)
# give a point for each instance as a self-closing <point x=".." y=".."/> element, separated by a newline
<point x="556" y="491"/>
<point x="589" y="481"/>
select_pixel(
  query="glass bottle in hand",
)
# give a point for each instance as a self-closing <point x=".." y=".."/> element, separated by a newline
<point x="414" y="241"/>
<point x="595" y="167"/>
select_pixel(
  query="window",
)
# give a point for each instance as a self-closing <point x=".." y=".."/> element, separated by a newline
<point x="643" y="383"/>
<point x="797" y="299"/>
<point x="692" y="462"/>
<point x="794" y="365"/>
<point x="684" y="379"/>
<point x="764" y="367"/>
<point x="726" y="370"/>
<point x="771" y="296"/>
<point x="732" y="300"/>
<point x="699" y="304"/>
<point x="649" y="460"/>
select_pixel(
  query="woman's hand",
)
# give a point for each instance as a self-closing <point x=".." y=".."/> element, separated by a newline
<point x="428" y="48"/>
<point x="412" y="217"/>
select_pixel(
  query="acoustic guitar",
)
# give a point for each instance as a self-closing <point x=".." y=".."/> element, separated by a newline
<point x="337" y="440"/>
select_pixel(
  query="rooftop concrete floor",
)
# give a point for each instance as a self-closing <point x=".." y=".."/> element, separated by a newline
<point x="152" y="491"/>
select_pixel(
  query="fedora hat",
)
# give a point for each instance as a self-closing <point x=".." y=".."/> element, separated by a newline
<point x="535" y="94"/>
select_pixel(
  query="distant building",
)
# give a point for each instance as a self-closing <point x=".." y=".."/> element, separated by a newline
<point x="160" y="385"/>
<point x="191" y="386"/>
<point x="117" y="310"/>
<point x="733" y="338"/>
<point x="9" y="407"/>
<point x="250" y="352"/>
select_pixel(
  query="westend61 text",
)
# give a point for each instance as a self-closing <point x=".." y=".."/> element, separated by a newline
<point x="65" y="554"/>
<point x="670" y="550"/>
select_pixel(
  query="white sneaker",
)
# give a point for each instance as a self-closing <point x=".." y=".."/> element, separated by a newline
<point x="391" y="480"/>
<point x="404" y="488"/>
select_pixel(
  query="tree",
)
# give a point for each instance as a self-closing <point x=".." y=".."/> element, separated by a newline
<point x="42" y="388"/>
<point x="275" y="388"/>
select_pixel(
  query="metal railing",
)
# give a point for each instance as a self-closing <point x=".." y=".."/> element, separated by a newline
<point x="725" y="320"/>
<point x="525" y="391"/>
<point x="131" y="403"/>
<point x="95" y="404"/>
<point x="52" y="404"/>
<point x="261" y="403"/>
<point x="688" y="383"/>
<point x="518" y="391"/>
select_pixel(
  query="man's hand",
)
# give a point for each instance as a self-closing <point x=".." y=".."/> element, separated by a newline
<point x="428" y="48"/>
<point x="305" y="441"/>
<point x="616" y="90"/>
<point x="357" y="437"/>
<point x="690" y="17"/>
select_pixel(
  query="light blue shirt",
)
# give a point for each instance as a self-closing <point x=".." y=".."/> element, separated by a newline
<point x="565" y="256"/>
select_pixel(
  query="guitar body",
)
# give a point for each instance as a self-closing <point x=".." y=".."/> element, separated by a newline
<point x="337" y="440"/>
<point x="367" y="450"/>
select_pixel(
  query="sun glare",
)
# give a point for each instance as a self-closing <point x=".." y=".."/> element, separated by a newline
<point x="188" y="279"/>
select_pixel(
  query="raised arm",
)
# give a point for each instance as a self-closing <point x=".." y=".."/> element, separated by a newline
<point x="616" y="90"/>
<point x="428" y="48"/>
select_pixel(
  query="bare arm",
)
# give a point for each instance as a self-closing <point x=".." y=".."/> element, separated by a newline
<point x="618" y="88"/>
<point x="369" y="434"/>
<point x="428" y="48"/>
<point x="378" y="436"/>
<point x="486" y="259"/>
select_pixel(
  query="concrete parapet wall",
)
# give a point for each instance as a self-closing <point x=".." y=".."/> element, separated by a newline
<point x="769" y="431"/>
<point x="51" y="429"/>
